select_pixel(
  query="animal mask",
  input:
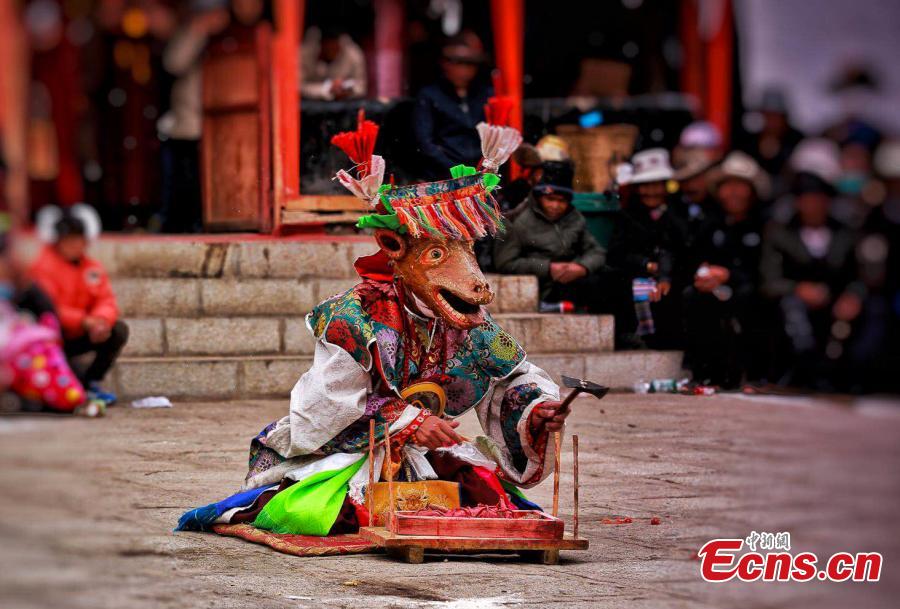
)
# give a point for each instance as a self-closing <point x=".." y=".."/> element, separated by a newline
<point x="443" y="274"/>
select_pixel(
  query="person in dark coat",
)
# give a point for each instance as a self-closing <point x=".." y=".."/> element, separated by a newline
<point x="550" y="239"/>
<point x="447" y="111"/>
<point x="642" y="252"/>
<point x="808" y="268"/>
<point x="723" y="313"/>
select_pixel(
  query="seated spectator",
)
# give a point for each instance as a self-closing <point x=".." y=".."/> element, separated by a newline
<point x="875" y="351"/>
<point x="772" y="138"/>
<point x="447" y="111"/>
<point x="809" y="270"/>
<point x="550" y="239"/>
<point x="696" y="208"/>
<point x="725" y="332"/>
<point x="80" y="291"/>
<point x="642" y="252"/>
<point x="531" y="159"/>
<point x="332" y="65"/>
<point x="700" y="138"/>
<point x="34" y="373"/>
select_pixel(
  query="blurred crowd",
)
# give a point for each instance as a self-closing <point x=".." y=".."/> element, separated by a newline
<point x="772" y="263"/>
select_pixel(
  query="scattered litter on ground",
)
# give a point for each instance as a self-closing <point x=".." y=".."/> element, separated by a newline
<point x="152" y="402"/>
<point x="655" y="520"/>
<point x="617" y="520"/>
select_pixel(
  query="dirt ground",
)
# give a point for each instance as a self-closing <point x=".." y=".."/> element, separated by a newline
<point x="87" y="509"/>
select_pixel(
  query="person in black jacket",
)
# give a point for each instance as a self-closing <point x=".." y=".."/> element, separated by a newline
<point x="446" y="112"/>
<point x="723" y="312"/>
<point x="642" y="252"/>
<point x="809" y="270"/>
<point x="550" y="239"/>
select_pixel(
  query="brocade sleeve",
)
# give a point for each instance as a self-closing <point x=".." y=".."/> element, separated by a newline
<point x="523" y="459"/>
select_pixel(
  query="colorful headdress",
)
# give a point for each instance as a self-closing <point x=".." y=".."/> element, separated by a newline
<point x="459" y="208"/>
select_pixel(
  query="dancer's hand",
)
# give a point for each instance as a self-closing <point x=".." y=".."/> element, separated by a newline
<point x="548" y="415"/>
<point x="435" y="432"/>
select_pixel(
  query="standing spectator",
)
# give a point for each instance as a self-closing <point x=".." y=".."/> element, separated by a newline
<point x="446" y="112"/>
<point x="808" y="269"/>
<point x="642" y="250"/>
<point x="80" y="291"/>
<point x="725" y="333"/>
<point x="181" y="127"/>
<point x="550" y="239"/>
<point x="332" y="66"/>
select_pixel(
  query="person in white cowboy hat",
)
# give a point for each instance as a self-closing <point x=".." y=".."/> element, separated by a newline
<point x="642" y="250"/>
<point x="725" y="329"/>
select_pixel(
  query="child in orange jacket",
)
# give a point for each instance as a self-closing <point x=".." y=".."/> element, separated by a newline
<point x="80" y="290"/>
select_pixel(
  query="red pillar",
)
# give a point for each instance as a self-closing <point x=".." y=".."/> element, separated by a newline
<point x="719" y="62"/>
<point x="707" y="69"/>
<point x="508" y="24"/>
<point x="289" y="16"/>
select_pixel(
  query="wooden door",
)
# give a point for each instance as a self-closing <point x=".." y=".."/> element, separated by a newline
<point x="235" y="149"/>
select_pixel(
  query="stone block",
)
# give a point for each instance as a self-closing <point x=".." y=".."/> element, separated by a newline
<point x="220" y="336"/>
<point x="556" y="364"/>
<point x="514" y="293"/>
<point x="623" y="369"/>
<point x="257" y="296"/>
<point x="168" y="258"/>
<point x="157" y="297"/>
<point x="145" y="337"/>
<point x="552" y="333"/>
<point x="295" y="259"/>
<point x="297" y="338"/>
<point x="177" y="378"/>
<point x="326" y="288"/>
<point x="272" y="378"/>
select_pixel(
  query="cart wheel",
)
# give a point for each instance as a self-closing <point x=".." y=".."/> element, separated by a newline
<point x="544" y="557"/>
<point x="414" y="555"/>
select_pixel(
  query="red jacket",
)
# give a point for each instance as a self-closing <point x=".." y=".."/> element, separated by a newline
<point x="77" y="290"/>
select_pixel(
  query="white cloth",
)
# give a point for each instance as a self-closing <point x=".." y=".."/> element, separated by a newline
<point x="181" y="58"/>
<point x="316" y="75"/>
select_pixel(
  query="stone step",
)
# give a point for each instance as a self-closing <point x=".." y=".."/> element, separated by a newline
<point x="288" y="335"/>
<point x="200" y="297"/>
<point x="205" y="378"/>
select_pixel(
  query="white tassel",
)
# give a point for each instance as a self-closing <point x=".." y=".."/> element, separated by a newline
<point x="497" y="145"/>
<point x="368" y="187"/>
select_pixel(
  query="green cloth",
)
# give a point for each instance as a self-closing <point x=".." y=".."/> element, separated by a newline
<point x="310" y="506"/>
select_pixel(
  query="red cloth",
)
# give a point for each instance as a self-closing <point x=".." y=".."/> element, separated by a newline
<point x="77" y="290"/>
<point x="375" y="266"/>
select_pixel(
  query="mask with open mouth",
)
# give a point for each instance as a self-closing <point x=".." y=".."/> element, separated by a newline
<point x="443" y="274"/>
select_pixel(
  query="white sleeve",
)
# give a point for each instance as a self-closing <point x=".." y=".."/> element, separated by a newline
<point x="328" y="398"/>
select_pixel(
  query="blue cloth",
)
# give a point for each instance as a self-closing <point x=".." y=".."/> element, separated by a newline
<point x="444" y="126"/>
<point x="202" y="518"/>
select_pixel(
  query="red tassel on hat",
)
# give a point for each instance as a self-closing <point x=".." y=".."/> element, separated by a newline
<point x="360" y="144"/>
<point x="498" y="110"/>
